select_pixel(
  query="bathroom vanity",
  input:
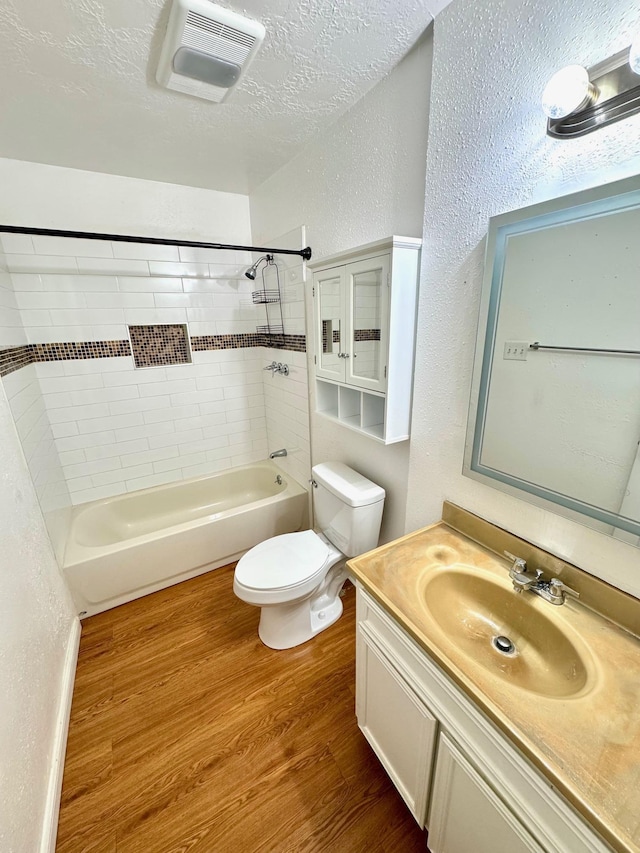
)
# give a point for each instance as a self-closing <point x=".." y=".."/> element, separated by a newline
<point x="534" y="750"/>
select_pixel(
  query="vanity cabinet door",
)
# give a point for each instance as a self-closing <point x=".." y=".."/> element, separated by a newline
<point x="466" y="815"/>
<point x="396" y="723"/>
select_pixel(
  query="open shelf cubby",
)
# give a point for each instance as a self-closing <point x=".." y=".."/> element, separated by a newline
<point x="356" y="408"/>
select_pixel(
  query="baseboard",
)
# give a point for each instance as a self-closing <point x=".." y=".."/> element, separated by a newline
<point x="52" y="808"/>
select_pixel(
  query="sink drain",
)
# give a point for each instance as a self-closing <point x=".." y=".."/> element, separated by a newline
<point x="503" y="645"/>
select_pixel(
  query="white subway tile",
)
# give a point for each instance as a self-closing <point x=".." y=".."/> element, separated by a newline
<point x="114" y="421"/>
<point x="153" y="389"/>
<point x="87" y="317"/>
<point x="17" y="244"/>
<point x="227" y="270"/>
<point x="64" y="430"/>
<point x="175" y="438"/>
<point x="112" y="266"/>
<point x="57" y="384"/>
<point x="121" y="448"/>
<point x="119" y="300"/>
<point x="139" y="405"/>
<point x="149" y="316"/>
<point x="71" y="457"/>
<point x="96" y="466"/>
<point x="78" y="484"/>
<point x="135" y="377"/>
<point x="55" y="401"/>
<point x="146" y="456"/>
<point x="60" y="334"/>
<point x="145" y="251"/>
<point x="35" y="317"/>
<point x="76" y="441"/>
<point x="120" y="474"/>
<point x="200" y="397"/>
<point x="97" y="493"/>
<point x="41" y="263"/>
<point x="102" y="395"/>
<point x="171" y="413"/>
<point x="243" y="391"/>
<point x="144" y="431"/>
<point x="179" y="462"/>
<point x="173" y="300"/>
<point x="168" y="268"/>
<point x="78" y="247"/>
<point x="80" y="283"/>
<point x="128" y="284"/>
<point x="47" y="299"/>
<point x="76" y="413"/>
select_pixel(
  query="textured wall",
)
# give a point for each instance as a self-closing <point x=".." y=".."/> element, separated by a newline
<point x="359" y="181"/>
<point x="488" y="153"/>
<point x="35" y="622"/>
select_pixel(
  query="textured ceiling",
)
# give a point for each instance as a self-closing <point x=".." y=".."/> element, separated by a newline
<point x="78" y="85"/>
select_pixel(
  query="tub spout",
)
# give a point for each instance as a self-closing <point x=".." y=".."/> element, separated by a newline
<point x="277" y="453"/>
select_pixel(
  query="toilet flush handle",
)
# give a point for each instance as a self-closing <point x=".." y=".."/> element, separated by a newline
<point x="313" y="483"/>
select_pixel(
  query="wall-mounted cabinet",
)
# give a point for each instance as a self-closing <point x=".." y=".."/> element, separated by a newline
<point x="364" y="325"/>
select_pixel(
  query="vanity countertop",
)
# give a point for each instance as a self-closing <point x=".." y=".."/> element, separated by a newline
<point x="587" y="744"/>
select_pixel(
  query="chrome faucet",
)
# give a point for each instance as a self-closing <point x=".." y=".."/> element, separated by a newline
<point x="277" y="453"/>
<point x="554" y="591"/>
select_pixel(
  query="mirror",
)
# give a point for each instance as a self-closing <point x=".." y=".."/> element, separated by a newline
<point x="555" y="404"/>
<point x="367" y="323"/>
<point x="329" y="295"/>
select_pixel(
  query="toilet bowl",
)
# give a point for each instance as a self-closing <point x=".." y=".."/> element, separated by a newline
<point x="296" y="578"/>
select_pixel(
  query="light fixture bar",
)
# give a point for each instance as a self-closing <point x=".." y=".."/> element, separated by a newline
<point x="619" y="97"/>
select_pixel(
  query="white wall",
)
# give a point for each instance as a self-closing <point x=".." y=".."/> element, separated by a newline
<point x="360" y="180"/>
<point x="488" y="153"/>
<point x="36" y="621"/>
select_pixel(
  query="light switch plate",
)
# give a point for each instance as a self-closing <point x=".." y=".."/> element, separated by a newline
<point x="516" y="350"/>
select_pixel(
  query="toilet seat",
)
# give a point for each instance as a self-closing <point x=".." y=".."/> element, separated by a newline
<point x="283" y="562"/>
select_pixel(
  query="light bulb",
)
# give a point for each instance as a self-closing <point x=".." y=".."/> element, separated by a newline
<point x="567" y="91"/>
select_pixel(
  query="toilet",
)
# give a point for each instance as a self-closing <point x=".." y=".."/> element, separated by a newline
<point x="296" y="578"/>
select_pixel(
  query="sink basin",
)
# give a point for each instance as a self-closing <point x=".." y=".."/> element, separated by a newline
<point x="536" y="650"/>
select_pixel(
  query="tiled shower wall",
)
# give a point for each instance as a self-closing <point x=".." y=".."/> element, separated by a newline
<point x="30" y="415"/>
<point x="117" y="428"/>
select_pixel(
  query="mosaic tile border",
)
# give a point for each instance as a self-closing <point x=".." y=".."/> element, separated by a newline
<point x="366" y="334"/>
<point x="13" y="358"/>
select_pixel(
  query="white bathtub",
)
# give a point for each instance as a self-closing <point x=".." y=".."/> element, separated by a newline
<point x="124" y="547"/>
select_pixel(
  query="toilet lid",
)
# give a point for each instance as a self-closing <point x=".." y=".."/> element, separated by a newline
<point x="282" y="561"/>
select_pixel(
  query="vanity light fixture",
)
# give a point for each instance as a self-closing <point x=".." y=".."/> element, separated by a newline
<point x="578" y="101"/>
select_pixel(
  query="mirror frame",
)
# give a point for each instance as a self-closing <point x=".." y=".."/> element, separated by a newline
<point x="606" y="199"/>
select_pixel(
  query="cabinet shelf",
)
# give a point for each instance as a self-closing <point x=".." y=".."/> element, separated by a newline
<point x="354" y="408"/>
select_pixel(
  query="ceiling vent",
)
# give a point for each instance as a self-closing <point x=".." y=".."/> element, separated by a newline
<point x="207" y="49"/>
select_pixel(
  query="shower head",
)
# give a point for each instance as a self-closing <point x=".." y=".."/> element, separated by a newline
<point x="251" y="272"/>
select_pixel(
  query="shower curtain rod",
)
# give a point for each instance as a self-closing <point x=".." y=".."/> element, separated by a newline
<point x="156" y="241"/>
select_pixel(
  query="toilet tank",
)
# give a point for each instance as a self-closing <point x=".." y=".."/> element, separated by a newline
<point x="348" y="508"/>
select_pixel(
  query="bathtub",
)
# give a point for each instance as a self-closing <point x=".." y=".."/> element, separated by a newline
<point x="127" y="546"/>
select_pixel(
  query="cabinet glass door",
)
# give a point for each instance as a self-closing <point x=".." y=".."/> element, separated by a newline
<point x="330" y="333"/>
<point x="368" y="296"/>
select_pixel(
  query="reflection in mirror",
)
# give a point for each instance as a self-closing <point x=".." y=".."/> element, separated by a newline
<point x="367" y="321"/>
<point x="330" y="296"/>
<point x="555" y="407"/>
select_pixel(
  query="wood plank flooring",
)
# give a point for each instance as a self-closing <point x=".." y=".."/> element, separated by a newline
<point x="189" y="736"/>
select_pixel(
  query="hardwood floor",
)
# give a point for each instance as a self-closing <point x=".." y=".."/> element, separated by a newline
<point x="189" y="736"/>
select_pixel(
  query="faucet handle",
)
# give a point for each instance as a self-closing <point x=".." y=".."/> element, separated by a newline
<point x="558" y="588"/>
<point x="519" y="564"/>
